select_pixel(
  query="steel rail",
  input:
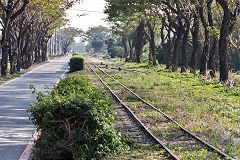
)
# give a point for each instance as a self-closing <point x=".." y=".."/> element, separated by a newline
<point x="144" y="128"/>
<point x="211" y="147"/>
<point x="128" y="70"/>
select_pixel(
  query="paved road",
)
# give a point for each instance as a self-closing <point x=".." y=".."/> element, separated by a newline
<point x="15" y="128"/>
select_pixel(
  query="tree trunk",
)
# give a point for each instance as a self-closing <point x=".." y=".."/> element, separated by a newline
<point x="25" y="53"/>
<point x="205" y="54"/>
<point x="8" y="17"/>
<point x="44" y="52"/>
<point x="152" y="43"/>
<point x="13" y="68"/>
<point x="20" y="56"/>
<point x="124" y="42"/>
<point x="196" y="44"/>
<point x="130" y="49"/>
<point x="13" y="62"/>
<point x="223" y="50"/>
<point x="211" y="62"/>
<point x="212" y="65"/>
<point x="175" y="51"/>
<point x="29" y="56"/>
<point x="184" y="49"/>
<point x="169" y="50"/>
<point x="64" y="50"/>
<point x="51" y="48"/>
<point x="18" y="66"/>
<point x="36" y="54"/>
<point x="164" y="45"/>
<point x="224" y="33"/>
<point x="140" y="43"/>
<point x="169" y="45"/>
<point x="150" y="54"/>
<point x="24" y="57"/>
<point x="5" y="48"/>
<point x="228" y="22"/>
<point x="10" y="55"/>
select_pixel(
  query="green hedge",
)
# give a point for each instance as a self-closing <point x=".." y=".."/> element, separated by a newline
<point x="76" y="63"/>
<point x="76" y="122"/>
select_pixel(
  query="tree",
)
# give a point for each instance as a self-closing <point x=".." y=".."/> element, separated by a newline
<point x="228" y="22"/>
<point x="96" y="37"/>
<point x="11" y="10"/>
<point x="196" y="43"/>
<point x="210" y="23"/>
<point x="67" y="35"/>
<point x="27" y="27"/>
<point x="140" y="40"/>
<point x="142" y="12"/>
<point x="97" y="44"/>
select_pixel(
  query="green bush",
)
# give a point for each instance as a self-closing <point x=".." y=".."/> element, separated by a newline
<point x="75" y="121"/>
<point x="76" y="63"/>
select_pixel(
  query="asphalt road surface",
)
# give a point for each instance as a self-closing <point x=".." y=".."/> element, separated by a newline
<point x="15" y="97"/>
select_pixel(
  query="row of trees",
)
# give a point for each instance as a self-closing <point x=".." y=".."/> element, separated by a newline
<point x="62" y="40"/>
<point x="27" y="26"/>
<point x="189" y="27"/>
<point x="101" y="40"/>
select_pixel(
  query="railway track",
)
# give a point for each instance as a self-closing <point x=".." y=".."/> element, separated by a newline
<point x="173" y="137"/>
<point x="136" y="138"/>
<point x="105" y="66"/>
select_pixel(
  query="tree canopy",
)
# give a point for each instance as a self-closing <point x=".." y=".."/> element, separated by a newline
<point x="27" y="26"/>
<point x="67" y="35"/>
<point x="190" y="32"/>
<point x="96" y="36"/>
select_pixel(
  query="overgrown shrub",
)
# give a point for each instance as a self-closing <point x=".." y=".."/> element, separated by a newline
<point x="75" y="122"/>
<point x="76" y="63"/>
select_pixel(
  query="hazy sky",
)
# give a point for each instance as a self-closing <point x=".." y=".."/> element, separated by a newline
<point x="93" y="9"/>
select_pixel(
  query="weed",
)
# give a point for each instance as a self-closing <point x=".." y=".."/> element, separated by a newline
<point x="10" y="76"/>
<point x="204" y="106"/>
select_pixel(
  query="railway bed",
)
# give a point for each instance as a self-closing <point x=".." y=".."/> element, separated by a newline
<point x="179" y="142"/>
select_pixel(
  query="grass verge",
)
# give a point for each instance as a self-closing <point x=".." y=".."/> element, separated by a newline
<point x="10" y="76"/>
<point x="202" y="105"/>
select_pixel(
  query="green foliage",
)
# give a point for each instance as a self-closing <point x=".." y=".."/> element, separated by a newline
<point x="76" y="63"/>
<point x="114" y="47"/>
<point x="214" y="31"/>
<point x="96" y="37"/>
<point x="116" y="51"/>
<point x="212" y="106"/>
<point x="75" y="121"/>
<point x="10" y="76"/>
<point x="67" y="35"/>
<point x="160" y="54"/>
<point x="97" y="44"/>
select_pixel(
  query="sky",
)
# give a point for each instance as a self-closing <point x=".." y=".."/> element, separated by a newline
<point x="94" y="14"/>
